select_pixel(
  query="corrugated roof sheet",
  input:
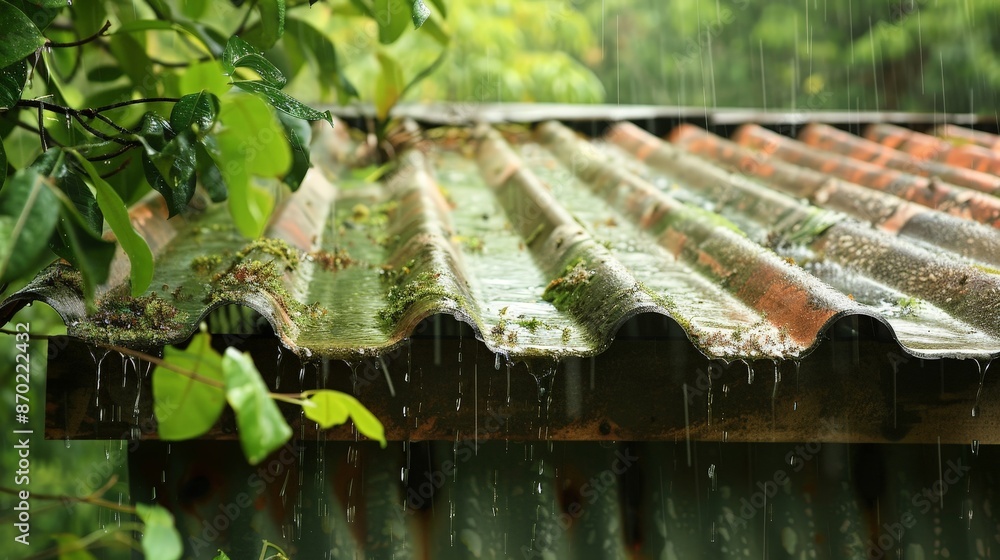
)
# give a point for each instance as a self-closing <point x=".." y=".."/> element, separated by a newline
<point x="547" y="243"/>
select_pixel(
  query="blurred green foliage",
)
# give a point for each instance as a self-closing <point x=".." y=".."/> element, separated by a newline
<point x="883" y="55"/>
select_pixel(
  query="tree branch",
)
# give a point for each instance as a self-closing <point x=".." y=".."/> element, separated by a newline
<point x="100" y="33"/>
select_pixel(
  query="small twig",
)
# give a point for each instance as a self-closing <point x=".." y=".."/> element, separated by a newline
<point x="160" y="362"/>
<point x="113" y="124"/>
<point x="96" y="132"/>
<point x="100" y="33"/>
<point x="94" y="111"/>
<point x="116" y="170"/>
<point x="114" y="154"/>
<point x="41" y="131"/>
<point x="246" y="18"/>
<point x="94" y="498"/>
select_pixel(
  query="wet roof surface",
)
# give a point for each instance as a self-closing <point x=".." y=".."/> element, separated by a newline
<point x="547" y="242"/>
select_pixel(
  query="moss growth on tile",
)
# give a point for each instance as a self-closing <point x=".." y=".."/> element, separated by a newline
<point x="205" y="263"/>
<point x="564" y="291"/>
<point x="377" y="215"/>
<point x="118" y="310"/>
<point x="252" y="275"/>
<point x="407" y="291"/>
<point x="335" y="260"/>
<point x="473" y="243"/>
<point x="277" y="248"/>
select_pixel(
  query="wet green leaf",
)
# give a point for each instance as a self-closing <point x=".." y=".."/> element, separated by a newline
<point x="90" y="255"/>
<point x="104" y="74"/>
<point x="208" y="172"/>
<point x="208" y="76"/>
<point x="116" y="214"/>
<point x="364" y="420"/>
<point x="83" y="200"/>
<point x="172" y="171"/>
<point x="196" y="111"/>
<point x="186" y="408"/>
<point x="160" y="539"/>
<point x="27" y="199"/>
<point x="284" y="102"/>
<point x="327" y="408"/>
<point x="299" y="135"/>
<point x="389" y="85"/>
<point x="154" y="132"/>
<point x="330" y="408"/>
<point x="221" y="556"/>
<point x="240" y="54"/>
<point x="441" y="7"/>
<point x="393" y="17"/>
<point x="18" y="35"/>
<point x="40" y="12"/>
<point x="249" y="133"/>
<point x="307" y="41"/>
<point x="262" y="428"/>
<point x="3" y="165"/>
<point x="271" y="26"/>
<point x="419" y="13"/>
<point x="12" y="80"/>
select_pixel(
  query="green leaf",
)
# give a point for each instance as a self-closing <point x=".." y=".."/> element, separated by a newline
<point x="35" y="209"/>
<point x="161" y="8"/>
<point x="262" y="428"/>
<point x="240" y="54"/>
<point x="103" y="74"/>
<point x="3" y="166"/>
<point x="116" y="214"/>
<point x="425" y="72"/>
<point x="196" y="111"/>
<point x="327" y="408"/>
<point x="131" y="55"/>
<point x="208" y="76"/>
<point x="12" y="80"/>
<point x="364" y="420"/>
<point x="392" y="17"/>
<point x="172" y="171"/>
<point x="272" y="23"/>
<point x="251" y="142"/>
<point x="419" y="13"/>
<point x="434" y="30"/>
<point x="83" y="200"/>
<point x="441" y="7"/>
<point x="186" y="408"/>
<point x="41" y="12"/>
<point x="18" y="35"/>
<point x="154" y="132"/>
<point x="160" y="539"/>
<point x="70" y="547"/>
<point x="310" y="42"/>
<point x="388" y="85"/>
<point x="208" y="172"/>
<point x="221" y="556"/>
<point x="299" y="135"/>
<point x="88" y="254"/>
<point x="284" y="102"/>
<point x="330" y="408"/>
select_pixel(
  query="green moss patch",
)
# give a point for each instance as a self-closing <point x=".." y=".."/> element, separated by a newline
<point x="402" y="295"/>
<point x="564" y="291"/>
<point x="335" y="260"/>
<point x="118" y="310"/>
